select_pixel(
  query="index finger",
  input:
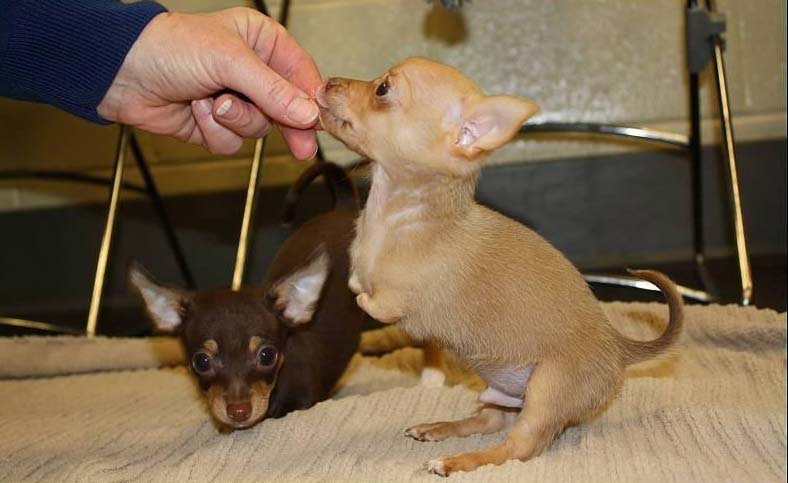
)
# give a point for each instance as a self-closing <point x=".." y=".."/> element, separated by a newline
<point x="294" y="64"/>
<point x="271" y="93"/>
<point x="288" y="59"/>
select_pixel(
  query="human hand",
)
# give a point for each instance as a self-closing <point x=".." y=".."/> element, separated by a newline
<point x="181" y="76"/>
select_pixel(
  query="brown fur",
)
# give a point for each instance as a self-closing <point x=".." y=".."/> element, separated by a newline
<point x="302" y="313"/>
<point x="428" y="257"/>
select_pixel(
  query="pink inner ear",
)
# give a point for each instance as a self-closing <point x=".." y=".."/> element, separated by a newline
<point x="472" y="129"/>
<point x="466" y="137"/>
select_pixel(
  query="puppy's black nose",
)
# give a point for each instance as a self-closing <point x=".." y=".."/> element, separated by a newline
<point x="239" y="412"/>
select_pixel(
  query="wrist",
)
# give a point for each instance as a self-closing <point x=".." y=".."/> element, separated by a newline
<point x="127" y="83"/>
<point x="67" y="53"/>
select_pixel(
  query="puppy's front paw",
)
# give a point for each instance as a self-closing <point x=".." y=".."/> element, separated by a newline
<point x="415" y="433"/>
<point x="354" y="285"/>
<point x="428" y="432"/>
<point x="365" y="302"/>
<point x="452" y="464"/>
<point x="437" y="467"/>
<point x="431" y="377"/>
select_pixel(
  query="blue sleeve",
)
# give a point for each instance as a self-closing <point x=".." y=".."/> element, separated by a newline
<point x="67" y="52"/>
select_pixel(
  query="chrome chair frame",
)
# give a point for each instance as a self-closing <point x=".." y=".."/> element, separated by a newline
<point x="707" y="36"/>
<point x="697" y="41"/>
<point x="692" y="143"/>
<point x="126" y="139"/>
<point x="245" y="237"/>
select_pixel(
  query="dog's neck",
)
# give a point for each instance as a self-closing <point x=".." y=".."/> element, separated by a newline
<point x="409" y="194"/>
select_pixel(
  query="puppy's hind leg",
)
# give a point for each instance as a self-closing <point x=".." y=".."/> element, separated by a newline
<point x="552" y="400"/>
<point x="434" y="372"/>
<point x="384" y="340"/>
<point x="489" y="419"/>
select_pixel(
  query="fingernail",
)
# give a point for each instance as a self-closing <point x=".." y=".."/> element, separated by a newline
<point x="314" y="153"/>
<point x="302" y="110"/>
<point x="203" y="106"/>
<point x="320" y="95"/>
<point x="224" y="107"/>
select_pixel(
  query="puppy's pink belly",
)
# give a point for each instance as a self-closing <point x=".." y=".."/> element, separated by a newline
<point x="506" y="387"/>
<point x="496" y="397"/>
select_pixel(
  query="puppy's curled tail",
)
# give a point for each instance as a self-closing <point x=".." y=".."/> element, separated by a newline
<point x="339" y="184"/>
<point x="638" y="351"/>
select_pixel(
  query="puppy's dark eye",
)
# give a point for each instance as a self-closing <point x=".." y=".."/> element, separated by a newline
<point x="383" y="88"/>
<point x="266" y="358"/>
<point x="202" y="363"/>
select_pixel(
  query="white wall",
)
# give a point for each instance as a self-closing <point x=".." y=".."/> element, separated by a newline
<point x="618" y="61"/>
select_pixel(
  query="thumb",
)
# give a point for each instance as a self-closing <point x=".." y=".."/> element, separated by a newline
<point x="274" y="95"/>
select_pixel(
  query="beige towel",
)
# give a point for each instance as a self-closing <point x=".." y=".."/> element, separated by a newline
<point x="714" y="410"/>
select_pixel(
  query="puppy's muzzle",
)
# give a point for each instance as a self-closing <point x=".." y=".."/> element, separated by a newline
<point x="239" y="412"/>
<point x="336" y="83"/>
<point x="331" y="86"/>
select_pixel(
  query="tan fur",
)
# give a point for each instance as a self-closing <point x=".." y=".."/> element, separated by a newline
<point x="218" y="397"/>
<point x="429" y="258"/>
<point x="254" y="343"/>
<point x="211" y="346"/>
<point x="386" y="339"/>
<point x="220" y="394"/>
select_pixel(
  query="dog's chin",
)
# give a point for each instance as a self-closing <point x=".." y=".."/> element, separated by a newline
<point x="341" y="128"/>
<point x="333" y="123"/>
<point x="220" y="415"/>
<point x="236" y="426"/>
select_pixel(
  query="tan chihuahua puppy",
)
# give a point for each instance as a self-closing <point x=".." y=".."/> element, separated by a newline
<point x="428" y="257"/>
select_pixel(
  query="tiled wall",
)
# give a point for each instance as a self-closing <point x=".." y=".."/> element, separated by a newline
<point x="597" y="60"/>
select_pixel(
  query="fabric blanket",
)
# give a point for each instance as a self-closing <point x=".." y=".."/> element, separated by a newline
<point x="80" y="410"/>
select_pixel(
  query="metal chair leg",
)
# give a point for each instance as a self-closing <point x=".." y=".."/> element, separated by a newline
<point x="697" y="176"/>
<point x="158" y="204"/>
<point x="696" y="187"/>
<point x="106" y="239"/>
<point x="696" y="162"/>
<point x="704" y="44"/>
<point x="633" y="282"/>
<point x="116" y="183"/>
<point x="43" y="326"/>
<point x="250" y="205"/>
<point x="732" y="177"/>
<point x="245" y="238"/>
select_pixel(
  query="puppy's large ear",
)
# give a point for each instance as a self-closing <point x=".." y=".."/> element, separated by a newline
<point x="491" y="123"/>
<point x="165" y="305"/>
<point x="296" y="295"/>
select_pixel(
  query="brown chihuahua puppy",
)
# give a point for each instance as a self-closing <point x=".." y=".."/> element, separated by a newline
<point x="427" y="256"/>
<point x="265" y="351"/>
